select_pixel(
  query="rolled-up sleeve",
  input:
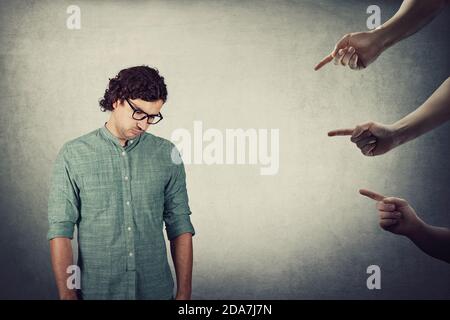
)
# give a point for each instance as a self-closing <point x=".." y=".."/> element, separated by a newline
<point x="176" y="204"/>
<point x="63" y="201"/>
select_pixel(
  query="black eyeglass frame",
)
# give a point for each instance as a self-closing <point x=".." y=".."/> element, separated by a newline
<point x="158" y="117"/>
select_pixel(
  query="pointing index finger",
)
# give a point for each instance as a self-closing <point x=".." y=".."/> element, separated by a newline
<point x="324" y="61"/>
<point x="371" y="194"/>
<point x="341" y="132"/>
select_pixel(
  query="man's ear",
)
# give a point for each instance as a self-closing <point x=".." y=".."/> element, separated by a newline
<point x="116" y="104"/>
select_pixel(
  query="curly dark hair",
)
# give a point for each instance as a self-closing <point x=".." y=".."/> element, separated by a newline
<point x="141" y="82"/>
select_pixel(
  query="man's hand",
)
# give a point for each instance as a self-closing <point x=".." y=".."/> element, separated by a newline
<point x="396" y="215"/>
<point x="359" y="49"/>
<point x="355" y="50"/>
<point x="371" y="138"/>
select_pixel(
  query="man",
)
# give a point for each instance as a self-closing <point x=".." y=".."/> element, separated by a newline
<point x="118" y="184"/>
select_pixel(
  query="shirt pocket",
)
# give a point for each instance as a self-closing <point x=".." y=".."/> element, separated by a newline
<point x="99" y="192"/>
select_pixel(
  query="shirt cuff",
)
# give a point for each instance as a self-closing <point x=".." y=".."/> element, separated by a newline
<point x="61" y="230"/>
<point x="182" y="224"/>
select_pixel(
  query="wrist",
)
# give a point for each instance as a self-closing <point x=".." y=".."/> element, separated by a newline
<point x="401" y="133"/>
<point x="417" y="231"/>
<point x="383" y="37"/>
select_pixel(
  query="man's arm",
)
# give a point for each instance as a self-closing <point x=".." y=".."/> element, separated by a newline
<point x="63" y="214"/>
<point x="376" y="138"/>
<point x="434" y="241"/>
<point x="179" y="227"/>
<point x="398" y="217"/>
<point x="62" y="257"/>
<point x="359" y="49"/>
<point x="412" y="16"/>
<point x="181" y="249"/>
<point x="431" y="114"/>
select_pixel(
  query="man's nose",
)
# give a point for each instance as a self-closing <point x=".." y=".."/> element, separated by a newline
<point x="143" y="124"/>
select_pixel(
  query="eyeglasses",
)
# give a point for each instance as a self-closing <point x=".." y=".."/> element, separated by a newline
<point x="141" y="115"/>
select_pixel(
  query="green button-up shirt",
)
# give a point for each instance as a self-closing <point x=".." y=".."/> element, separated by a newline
<point x="119" y="197"/>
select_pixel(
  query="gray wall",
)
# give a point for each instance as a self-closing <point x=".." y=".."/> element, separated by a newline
<point x="303" y="233"/>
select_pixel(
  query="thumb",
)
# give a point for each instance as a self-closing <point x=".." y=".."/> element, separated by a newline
<point x="342" y="43"/>
<point x="399" y="203"/>
<point x="361" y="128"/>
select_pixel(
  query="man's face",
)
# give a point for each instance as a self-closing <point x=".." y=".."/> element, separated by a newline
<point x="127" y="127"/>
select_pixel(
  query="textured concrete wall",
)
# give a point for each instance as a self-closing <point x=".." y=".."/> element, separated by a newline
<point x="303" y="233"/>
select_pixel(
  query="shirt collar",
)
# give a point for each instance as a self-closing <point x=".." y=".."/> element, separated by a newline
<point x="112" y="138"/>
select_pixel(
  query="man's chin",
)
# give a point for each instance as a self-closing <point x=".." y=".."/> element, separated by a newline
<point x="135" y="133"/>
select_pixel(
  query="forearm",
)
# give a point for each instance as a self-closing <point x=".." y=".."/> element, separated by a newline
<point x="62" y="258"/>
<point x="434" y="241"/>
<point x="431" y="114"/>
<point x="182" y="255"/>
<point x="411" y="17"/>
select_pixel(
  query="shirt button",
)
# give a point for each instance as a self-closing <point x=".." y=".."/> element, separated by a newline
<point x="128" y="203"/>
<point x="131" y="254"/>
<point x="131" y="141"/>
<point x="124" y="153"/>
<point x="126" y="178"/>
<point x="129" y="228"/>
